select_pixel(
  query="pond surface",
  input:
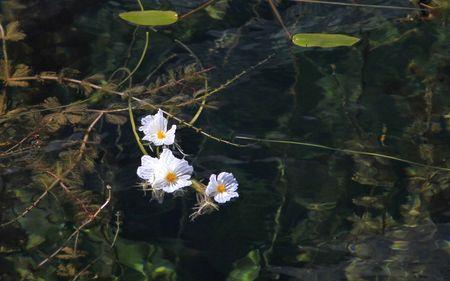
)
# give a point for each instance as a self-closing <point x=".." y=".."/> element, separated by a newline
<point x="303" y="212"/>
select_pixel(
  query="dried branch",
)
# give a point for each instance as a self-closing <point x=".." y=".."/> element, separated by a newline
<point x="69" y="193"/>
<point x="78" y="229"/>
<point x="85" y="268"/>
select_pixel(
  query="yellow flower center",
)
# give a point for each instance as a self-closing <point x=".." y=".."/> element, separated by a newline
<point x="221" y="188"/>
<point x="160" y="135"/>
<point x="171" y="177"/>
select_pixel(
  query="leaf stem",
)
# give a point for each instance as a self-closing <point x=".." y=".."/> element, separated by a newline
<point x="133" y="128"/>
<point x="348" y="151"/>
<point x="280" y="19"/>
<point x="201" y="7"/>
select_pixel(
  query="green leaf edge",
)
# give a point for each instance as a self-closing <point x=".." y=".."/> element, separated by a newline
<point x="171" y="15"/>
<point x="353" y="40"/>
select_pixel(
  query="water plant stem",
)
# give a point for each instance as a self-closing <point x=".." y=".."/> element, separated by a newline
<point x="56" y="78"/>
<point x="133" y="128"/>
<point x="229" y="82"/>
<point x="360" y="5"/>
<point x="199" y="8"/>
<point x="280" y="19"/>
<point x="4" y="97"/>
<point x="199" y="62"/>
<point x="141" y="59"/>
<point x="344" y="150"/>
<point x="144" y="51"/>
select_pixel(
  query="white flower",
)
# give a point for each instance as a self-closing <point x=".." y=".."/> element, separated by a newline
<point x="147" y="169"/>
<point x="155" y="129"/>
<point x="171" y="173"/>
<point x="223" y="187"/>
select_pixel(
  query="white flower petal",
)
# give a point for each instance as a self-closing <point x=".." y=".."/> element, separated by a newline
<point x="156" y="125"/>
<point x="226" y="178"/>
<point x="183" y="168"/>
<point x="211" y="189"/>
<point x="170" y="136"/>
<point x="147" y="138"/>
<point x="233" y="194"/>
<point x="145" y="173"/>
<point x="168" y="163"/>
<point x="155" y="140"/>
<point x="231" y="187"/>
<point x="160" y="122"/>
<point x="159" y="183"/>
<point x="178" y="185"/>
<point x="147" y="120"/>
<point x="222" y="197"/>
<point x="230" y="184"/>
<point x="149" y="161"/>
<point x="167" y="156"/>
<point x="225" y="196"/>
<point x="147" y="169"/>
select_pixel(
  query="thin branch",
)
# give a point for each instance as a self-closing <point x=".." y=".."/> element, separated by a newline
<point x="144" y="51"/>
<point x="199" y="8"/>
<point x="78" y="229"/>
<point x="116" y="234"/>
<point x="141" y="59"/>
<point x="4" y="97"/>
<point x="360" y="5"/>
<point x="199" y="62"/>
<point x="280" y="19"/>
<point x="69" y="193"/>
<point x="158" y="67"/>
<point x="42" y="110"/>
<point x="348" y="151"/>
<point x="177" y="82"/>
<point x="85" y="268"/>
<point x="5" y="54"/>
<point x="229" y="82"/>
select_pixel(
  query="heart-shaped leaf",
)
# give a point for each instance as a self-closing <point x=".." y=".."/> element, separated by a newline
<point x="323" y="40"/>
<point x="150" y="17"/>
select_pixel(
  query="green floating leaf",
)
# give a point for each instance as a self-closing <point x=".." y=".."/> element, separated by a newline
<point x="218" y="10"/>
<point x="150" y="17"/>
<point x="246" y="268"/>
<point x="142" y="261"/>
<point x="323" y="40"/>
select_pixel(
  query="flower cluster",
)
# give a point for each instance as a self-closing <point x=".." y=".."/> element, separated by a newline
<point x="168" y="173"/>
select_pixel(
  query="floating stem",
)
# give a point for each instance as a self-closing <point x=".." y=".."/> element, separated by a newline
<point x="348" y="151"/>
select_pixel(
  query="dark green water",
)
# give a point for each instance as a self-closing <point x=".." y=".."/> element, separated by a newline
<point x="303" y="213"/>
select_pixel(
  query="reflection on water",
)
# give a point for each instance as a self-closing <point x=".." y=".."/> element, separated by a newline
<point x="303" y="213"/>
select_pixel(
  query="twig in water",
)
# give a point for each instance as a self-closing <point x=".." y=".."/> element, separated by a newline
<point x="199" y="8"/>
<point x="360" y="5"/>
<point x="78" y="229"/>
